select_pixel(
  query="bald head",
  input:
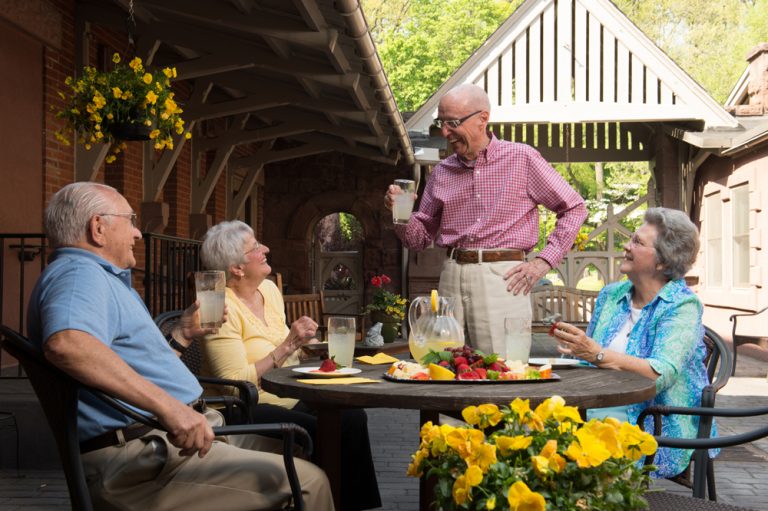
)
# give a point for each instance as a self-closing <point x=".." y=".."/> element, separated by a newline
<point x="72" y="207"/>
<point x="468" y="96"/>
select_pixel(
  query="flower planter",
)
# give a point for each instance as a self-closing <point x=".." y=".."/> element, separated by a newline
<point x="131" y="131"/>
<point x="390" y="327"/>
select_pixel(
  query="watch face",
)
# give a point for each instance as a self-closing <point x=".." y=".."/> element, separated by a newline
<point x="600" y="356"/>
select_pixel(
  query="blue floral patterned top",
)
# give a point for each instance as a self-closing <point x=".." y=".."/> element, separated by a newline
<point x="669" y="335"/>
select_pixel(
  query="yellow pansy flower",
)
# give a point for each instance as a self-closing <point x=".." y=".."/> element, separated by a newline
<point x="521" y="498"/>
<point x="153" y="134"/>
<point x="116" y="58"/>
<point x="188" y="135"/>
<point x="491" y="502"/>
<point x="482" y="416"/>
<point x="587" y="450"/>
<point x="635" y="442"/>
<point x="117" y="93"/>
<point x="135" y="64"/>
<point x="147" y="78"/>
<point x="508" y="444"/>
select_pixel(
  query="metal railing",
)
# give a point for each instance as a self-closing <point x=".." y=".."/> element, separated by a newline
<point x="168" y="263"/>
<point x="18" y="265"/>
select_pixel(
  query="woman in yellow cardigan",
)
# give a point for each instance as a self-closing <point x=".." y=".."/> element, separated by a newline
<point x="255" y="340"/>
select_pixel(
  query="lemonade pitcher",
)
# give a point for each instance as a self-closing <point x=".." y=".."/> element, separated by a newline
<point x="432" y="325"/>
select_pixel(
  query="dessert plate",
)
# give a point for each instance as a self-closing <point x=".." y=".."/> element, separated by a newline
<point x="316" y="373"/>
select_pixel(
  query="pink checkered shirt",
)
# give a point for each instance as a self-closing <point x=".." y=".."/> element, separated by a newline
<point x="493" y="203"/>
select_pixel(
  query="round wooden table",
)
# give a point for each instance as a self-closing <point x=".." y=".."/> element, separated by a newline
<point x="581" y="387"/>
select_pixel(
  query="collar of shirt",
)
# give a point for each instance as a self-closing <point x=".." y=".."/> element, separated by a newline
<point x="489" y="153"/>
<point x="123" y="274"/>
<point x="666" y="293"/>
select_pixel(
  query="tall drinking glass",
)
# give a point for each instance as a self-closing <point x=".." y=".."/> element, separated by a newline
<point x="210" y="286"/>
<point x="517" y="339"/>
<point x="341" y="339"/>
<point x="401" y="212"/>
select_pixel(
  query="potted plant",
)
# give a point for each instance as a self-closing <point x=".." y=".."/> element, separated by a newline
<point x="127" y="103"/>
<point x="542" y="459"/>
<point x="387" y="308"/>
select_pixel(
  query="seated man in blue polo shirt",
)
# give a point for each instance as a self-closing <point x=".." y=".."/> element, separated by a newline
<point x="95" y="327"/>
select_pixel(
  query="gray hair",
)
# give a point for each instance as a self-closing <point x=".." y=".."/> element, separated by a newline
<point x="224" y="245"/>
<point x="677" y="240"/>
<point x="471" y="96"/>
<point x="71" y="208"/>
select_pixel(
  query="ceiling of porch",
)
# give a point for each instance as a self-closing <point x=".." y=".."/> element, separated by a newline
<point x="289" y="78"/>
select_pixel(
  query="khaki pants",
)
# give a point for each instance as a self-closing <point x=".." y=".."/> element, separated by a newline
<point x="148" y="474"/>
<point x="482" y="301"/>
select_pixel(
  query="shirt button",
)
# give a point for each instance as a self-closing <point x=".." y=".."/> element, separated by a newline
<point x="478" y="219"/>
<point x="478" y="195"/>
<point x="477" y="172"/>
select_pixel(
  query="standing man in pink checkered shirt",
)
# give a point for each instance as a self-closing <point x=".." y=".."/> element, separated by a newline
<point x="481" y="203"/>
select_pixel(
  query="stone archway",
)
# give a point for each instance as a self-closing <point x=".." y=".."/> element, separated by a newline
<point x="301" y="228"/>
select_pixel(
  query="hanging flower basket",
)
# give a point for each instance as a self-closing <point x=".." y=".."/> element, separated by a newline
<point x="124" y="104"/>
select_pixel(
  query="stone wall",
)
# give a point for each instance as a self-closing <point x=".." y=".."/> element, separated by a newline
<point x="299" y="193"/>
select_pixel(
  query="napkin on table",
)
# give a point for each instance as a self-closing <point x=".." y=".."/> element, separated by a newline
<point x="338" y="381"/>
<point x="378" y="358"/>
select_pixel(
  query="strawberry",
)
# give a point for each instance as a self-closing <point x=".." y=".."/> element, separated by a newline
<point x="469" y="375"/>
<point x="457" y="361"/>
<point x="420" y="376"/>
<point x="329" y="365"/>
<point x="444" y="363"/>
<point x="463" y="368"/>
<point x="497" y="366"/>
<point x="481" y="372"/>
<point x="553" y="328"/>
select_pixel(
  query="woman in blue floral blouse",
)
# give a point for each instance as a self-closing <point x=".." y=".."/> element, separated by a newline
<point x="651" y="325"/>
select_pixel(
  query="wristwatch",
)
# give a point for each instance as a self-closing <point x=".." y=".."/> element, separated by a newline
<point x="600" y="356"/>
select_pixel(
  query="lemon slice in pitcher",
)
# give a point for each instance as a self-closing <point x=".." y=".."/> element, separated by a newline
<point x="433" y="300"/>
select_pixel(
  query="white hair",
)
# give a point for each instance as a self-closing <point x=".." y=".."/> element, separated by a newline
<point x="677" y="240"/>
<point x="71" y="208"/>
<point x="224" y="245"/>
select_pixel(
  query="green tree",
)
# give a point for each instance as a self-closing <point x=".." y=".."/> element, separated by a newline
<point x="422" y="42"/>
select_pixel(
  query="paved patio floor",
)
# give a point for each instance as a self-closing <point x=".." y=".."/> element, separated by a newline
<point x="741" y="472"/>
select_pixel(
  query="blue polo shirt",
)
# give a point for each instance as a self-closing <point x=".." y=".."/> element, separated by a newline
<point x="81" y="291"/>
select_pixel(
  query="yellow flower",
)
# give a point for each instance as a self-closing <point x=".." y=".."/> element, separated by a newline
<point x="135" y="64"/>
<point x="188" y="135"/>
<point x="414" y="469"/>
<point x="482" y="416"/>
<point x="127" y="94"/>
<point x="170" y="105"/>
<point x="153" y="134"/>
<point x="608" y="434"/>
<point x="116" y="58"/>
<point x="117" y="93"/>
<point x="521" y="498"/>
<point x="147" y="122"/>
<point x="99" y="101"/>
<point x="491" y="502"/>
<point x="548" y="460"/>
<point x="507" y="444"/>
<point x="111" y="158"/>
<point x="635" y="442"/>
<point x="587" y="450"/>
<point x="147" y="78"/>
<point x="61" y="138"/>
<point x="555" y="407"/>
<point x="110" y="116"/>
<point x="151" y="97"/>
<point x="462" y="487"/>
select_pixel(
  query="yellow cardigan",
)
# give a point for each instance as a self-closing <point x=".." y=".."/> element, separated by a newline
<point x="244" y="339"/>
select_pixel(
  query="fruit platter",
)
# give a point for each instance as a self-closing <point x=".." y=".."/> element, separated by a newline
<point x="467" y="365"/>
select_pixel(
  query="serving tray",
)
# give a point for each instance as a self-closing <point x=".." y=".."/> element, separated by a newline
<point x="554" y="377"/>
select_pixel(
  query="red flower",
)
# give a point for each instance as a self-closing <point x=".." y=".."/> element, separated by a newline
<point x="376" y="281"/>
<point x="386" y="280"/>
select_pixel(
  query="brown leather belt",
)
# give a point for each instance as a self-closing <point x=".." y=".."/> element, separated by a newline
<point x="464" y="256"/>
<point x="124" y="435"/>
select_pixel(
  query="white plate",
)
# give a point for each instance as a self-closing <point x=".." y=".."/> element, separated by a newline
<point x="556" y="362"/>
<point x="312" y="371"/>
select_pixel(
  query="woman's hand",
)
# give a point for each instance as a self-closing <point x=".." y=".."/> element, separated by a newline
<point x="303" y="331"/>
<point x="573" y="341"/>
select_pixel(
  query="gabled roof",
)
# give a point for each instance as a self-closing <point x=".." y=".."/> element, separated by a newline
<point x="575" y="61"/>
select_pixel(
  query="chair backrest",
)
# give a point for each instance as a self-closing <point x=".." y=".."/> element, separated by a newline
<point x="57" y="393"/>
<point x="573" y="305"/>
<point x="193" y="356"/>
<point x="277" y="278"/>
<point x="719" y="360"/>
<point x="310" y="305"/>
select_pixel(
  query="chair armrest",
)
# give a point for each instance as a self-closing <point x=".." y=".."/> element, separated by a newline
<point x="734" y="316"/>
<point x="713" y="443"/>
<point x="248" y="392"/>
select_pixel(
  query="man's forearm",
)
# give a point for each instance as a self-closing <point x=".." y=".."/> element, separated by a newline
<point x="89" y="361"/>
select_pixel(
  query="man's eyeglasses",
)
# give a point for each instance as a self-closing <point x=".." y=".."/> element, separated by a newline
<point x="453" y="123"/>
<point x="132" y="216"/>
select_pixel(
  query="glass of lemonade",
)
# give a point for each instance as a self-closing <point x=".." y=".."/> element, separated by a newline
<point x="341" y="339"/>
<point x="403" y="206"/>
<point x="209" y="287"/>
<point x="517" y="339"/>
